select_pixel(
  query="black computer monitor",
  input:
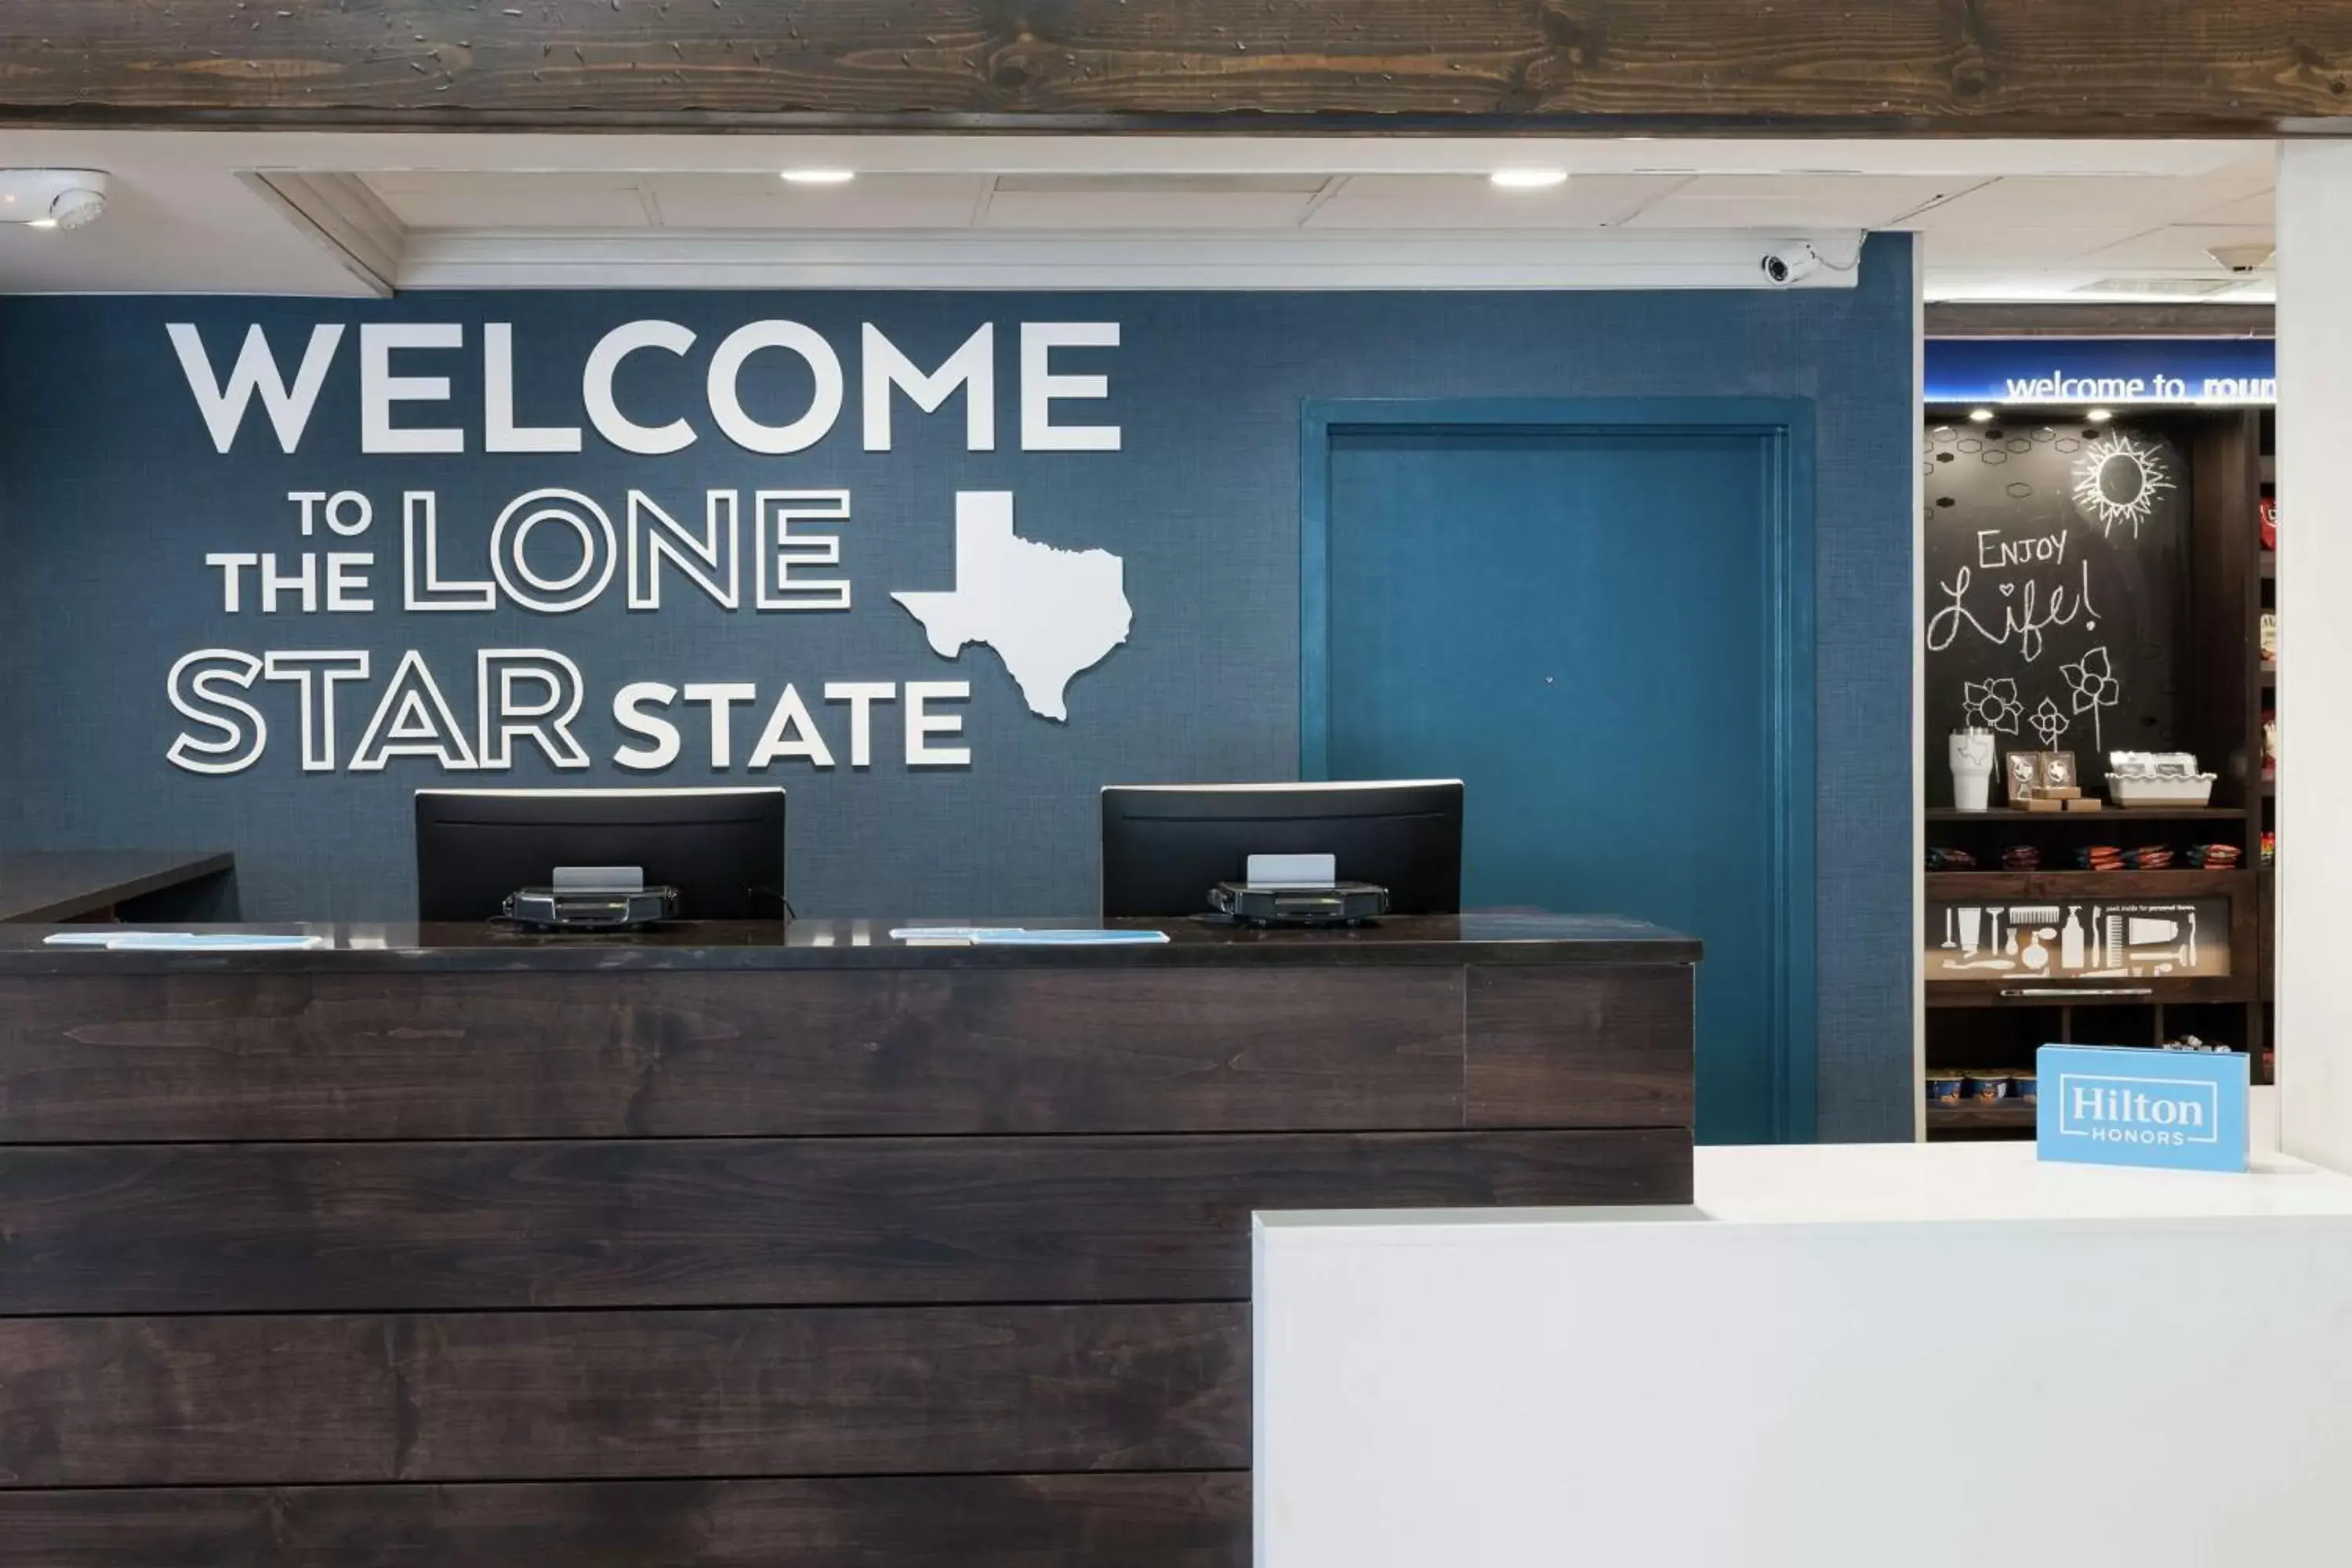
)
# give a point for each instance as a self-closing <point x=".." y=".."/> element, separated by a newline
<point x="722" y="849"/>
<point x="1165" y="845"/>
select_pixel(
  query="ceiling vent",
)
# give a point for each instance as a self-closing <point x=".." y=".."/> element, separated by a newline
<point x="2167" y="288"/>
<point x="1161" y="185"/>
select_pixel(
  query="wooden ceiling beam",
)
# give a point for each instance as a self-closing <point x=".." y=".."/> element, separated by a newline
<point x="2059" y="68"/>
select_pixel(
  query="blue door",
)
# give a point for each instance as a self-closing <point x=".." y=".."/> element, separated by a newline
<point x="1599" y="620"/>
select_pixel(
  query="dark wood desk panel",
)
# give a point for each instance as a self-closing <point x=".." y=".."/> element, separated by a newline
<point x="200" y="1401"/>
<point x="90" y="1055"/>
<point x="245" y="1227"/>
<point x="1600" y="1046"/>
<point x="1167" y="1519"/>
<point x="901" y="1255"/>
<point x="51" y="885"/>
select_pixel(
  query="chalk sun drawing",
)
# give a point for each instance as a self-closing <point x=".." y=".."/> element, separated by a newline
<point x="1992" y="704"/>
<point x="2118" y="480"/>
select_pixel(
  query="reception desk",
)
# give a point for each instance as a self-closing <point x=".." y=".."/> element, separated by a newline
<point x="741" y="1244"/>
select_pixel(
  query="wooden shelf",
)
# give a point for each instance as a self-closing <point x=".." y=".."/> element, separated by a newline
<point x="2079" y="886"/>
<point x="1981" y="1115"/>
<point x="2111" y="814"/>
<point x="2168" y="991"/>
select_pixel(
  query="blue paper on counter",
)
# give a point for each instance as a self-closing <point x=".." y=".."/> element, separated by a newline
<point x="2113" y="1105"/>
<point x="1016" y="936"/>
<point x="183" y="941"/>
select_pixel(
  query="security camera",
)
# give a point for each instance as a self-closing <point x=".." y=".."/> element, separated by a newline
<point x="51" y="199"/>
<point x="1782" y="267"/>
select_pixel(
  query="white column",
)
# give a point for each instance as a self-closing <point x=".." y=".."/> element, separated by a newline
<point x="2315" y="692"/>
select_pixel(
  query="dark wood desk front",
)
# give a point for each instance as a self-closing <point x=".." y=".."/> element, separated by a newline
<point x="740" y="1245"/>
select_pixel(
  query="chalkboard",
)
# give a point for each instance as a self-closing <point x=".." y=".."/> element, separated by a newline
<point x="2053" y="561"/>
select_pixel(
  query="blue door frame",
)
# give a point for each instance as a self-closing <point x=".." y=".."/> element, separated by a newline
<point x="1786" y="425"/>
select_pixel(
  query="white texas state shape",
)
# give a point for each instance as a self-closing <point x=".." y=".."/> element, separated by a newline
<point x="1047" y="613"/>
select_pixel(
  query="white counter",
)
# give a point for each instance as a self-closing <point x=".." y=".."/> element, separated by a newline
<point x="1898" y="1356"/>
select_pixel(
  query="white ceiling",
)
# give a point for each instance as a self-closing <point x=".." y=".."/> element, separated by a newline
<point x="2020" y="220"/>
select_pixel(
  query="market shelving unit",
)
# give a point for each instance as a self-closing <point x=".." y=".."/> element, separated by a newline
<point x="2265" y="797"/>
<point x="2221" y="689"/>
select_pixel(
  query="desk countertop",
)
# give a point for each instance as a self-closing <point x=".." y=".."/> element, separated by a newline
<point x="59" y="884"/>
<point x="1495" y="939"/>
<point x="1905" y="1183"/>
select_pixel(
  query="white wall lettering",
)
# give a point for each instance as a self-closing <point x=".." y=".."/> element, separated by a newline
<point x="1041" y="386"/>
<point x="596" y="388"/>
<point x="790" y="733"/>
<point x="921" y="723"/>
<point x="710" y="561"/>
<point x="413" y="720"/>
<point x="531" y="694"/>
<point x="629" y="712"/>
<point x="510" y="554"/>
<point x="380" y="389"/>
<point x="499" y="431"/>
<point x="861" y="696"/>
<point x="256" y="370"/>
<point x="971" y="367"/>
<point x="721" y="698"/>
<point x="196" y="688"/>
<point x="553" y="550"/>
<point x="315" y="674"/>
<point x="422" y="585"/>
<point x="786" y="571"/>
<point x="824" y="397"/>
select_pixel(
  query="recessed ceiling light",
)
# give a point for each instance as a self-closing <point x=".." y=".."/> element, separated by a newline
<point x="1981" y="416"/>
<point x="819" y="176"/>
<point x="1529" y="179"/>
<point x="2100" y="416"/>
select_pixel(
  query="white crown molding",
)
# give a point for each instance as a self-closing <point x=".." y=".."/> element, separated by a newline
<point x="963" y="259"/>
<point x="342" y="213"/>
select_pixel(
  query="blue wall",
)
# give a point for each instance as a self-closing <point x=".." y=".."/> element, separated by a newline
<point x="111" y="494"/>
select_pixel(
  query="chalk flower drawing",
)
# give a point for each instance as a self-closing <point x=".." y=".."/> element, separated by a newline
<point x="2091" y="685"/>
<point x="2117" y="479"/>
<point x="1992" y="704"/>
<point x="2049" y="723"/>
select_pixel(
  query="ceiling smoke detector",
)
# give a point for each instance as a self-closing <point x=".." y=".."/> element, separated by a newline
<point x="51" y="199"/>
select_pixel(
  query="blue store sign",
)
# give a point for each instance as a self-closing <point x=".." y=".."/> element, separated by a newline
<point x="2109" y="1106"/>
<point x="2102" y="371"/>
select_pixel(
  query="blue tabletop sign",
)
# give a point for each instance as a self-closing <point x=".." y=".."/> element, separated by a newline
<point x="2102" y="1105"/>
<point x="2112" y="373"/>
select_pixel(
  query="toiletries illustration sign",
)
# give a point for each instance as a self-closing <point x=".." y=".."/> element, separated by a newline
<point x="2099" y="941"/>
<point x="2052" y="564"/>
<point x="313" y="601"/>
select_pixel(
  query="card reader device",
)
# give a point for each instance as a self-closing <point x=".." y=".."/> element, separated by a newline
<point x="592" y="897"/>
<point x="1297" y="890"/>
